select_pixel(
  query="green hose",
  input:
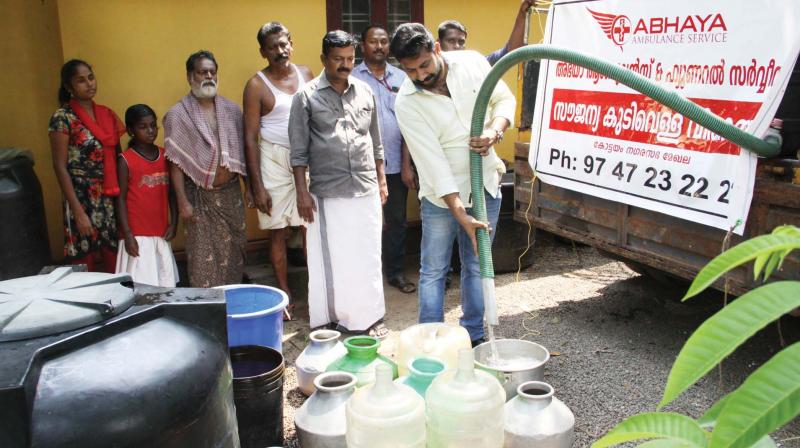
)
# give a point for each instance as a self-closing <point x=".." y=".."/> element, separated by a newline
<point x="633" y="80"/>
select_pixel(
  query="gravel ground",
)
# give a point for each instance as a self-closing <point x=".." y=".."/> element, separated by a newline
<point x="612" y="333"/>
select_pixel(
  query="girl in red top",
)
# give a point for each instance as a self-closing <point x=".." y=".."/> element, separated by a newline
<point x="146" y="208"/>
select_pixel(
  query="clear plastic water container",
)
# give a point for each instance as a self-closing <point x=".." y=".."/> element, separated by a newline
<point x="431" y="340"/>
<point x="465" y="407"/>
<point x="385" y="415"/>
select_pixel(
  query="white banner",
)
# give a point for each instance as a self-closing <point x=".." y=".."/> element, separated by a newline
<point x="593" y="135"/>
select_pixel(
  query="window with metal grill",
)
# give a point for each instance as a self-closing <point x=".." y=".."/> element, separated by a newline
<point x="355" y="15"/>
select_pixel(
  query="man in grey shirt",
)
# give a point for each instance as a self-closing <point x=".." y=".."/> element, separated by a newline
<point x="334" y="135"/>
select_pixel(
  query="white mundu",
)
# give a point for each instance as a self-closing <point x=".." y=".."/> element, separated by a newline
<point x="276" y="170"/>
<point x="345" y="283"/>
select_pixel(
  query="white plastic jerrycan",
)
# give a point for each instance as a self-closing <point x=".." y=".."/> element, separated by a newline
<point x="431" y="340"/>
<point x="385" y="415"/>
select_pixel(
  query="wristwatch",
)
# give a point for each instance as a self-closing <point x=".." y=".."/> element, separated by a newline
<point x="499" y="135"/>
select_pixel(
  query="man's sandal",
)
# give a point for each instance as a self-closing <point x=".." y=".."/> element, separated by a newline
<point x="328" y="326"/>
<point x="288" y="312"/>
<point x="403" y="285"/>
<point x="378" y="330"/>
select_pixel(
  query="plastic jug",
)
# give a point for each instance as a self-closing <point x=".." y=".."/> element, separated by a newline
<point x="361" y="358"/>
<point x="385" y="414"/>
<point x="465" y="407"/>
<point x="421" y="373"/>
<point x="432" y="340"/>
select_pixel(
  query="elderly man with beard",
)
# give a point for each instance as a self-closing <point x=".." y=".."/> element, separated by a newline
<point x="203" y="140"/>
<point x="267" y="101"/>
<point x="334" y="133"/>
<point x="434" y="111"/>
<point x="385" y="80"/>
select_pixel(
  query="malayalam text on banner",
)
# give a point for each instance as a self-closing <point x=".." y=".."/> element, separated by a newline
<point x="594" y="135"/>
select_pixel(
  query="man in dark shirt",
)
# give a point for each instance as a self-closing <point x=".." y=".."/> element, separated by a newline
<point x="385" y="81"/>
<point x="453" y="35"/>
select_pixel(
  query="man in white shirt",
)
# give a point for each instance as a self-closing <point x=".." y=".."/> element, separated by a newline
<point x="434" y="110"/>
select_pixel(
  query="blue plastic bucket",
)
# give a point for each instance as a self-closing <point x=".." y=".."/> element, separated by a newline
<point x="255" y="315"/>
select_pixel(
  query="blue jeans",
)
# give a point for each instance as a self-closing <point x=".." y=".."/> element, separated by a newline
<point x="439" y="229"/>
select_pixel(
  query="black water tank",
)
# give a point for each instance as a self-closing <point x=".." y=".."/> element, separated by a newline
<point x="155" y="374"/>
<point x="512" y="238"/>
<point x="23" y="230"/>
<point x="789" y="112"/>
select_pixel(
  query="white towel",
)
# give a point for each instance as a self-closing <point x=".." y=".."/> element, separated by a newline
<point x="278" y="179"/>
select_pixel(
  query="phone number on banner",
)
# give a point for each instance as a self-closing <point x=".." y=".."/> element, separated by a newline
<point x="654" y="175"/>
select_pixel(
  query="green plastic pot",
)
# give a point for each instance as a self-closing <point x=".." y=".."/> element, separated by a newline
<point x="361" y="358"/>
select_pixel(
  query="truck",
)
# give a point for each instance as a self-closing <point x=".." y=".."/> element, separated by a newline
<point x="653" y="243"/>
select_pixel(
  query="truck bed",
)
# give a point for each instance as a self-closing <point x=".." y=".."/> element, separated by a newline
<point x="655" y="240"/>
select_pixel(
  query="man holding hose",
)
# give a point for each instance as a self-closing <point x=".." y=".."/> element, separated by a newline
<point x="434" y="110"/>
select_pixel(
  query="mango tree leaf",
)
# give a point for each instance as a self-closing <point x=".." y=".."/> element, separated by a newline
<point x="709" y="419"/>
<point x="780" y="256"/>
<point x="765" y="442"/>
<point x="656" y="425"/>
<point x="721" y="333"/>
<point x="759" y="263"/>
<point x="664" y="443"/>
<point x="775" y="262"/>
<point x="739" y="255"/>
<point x="786" y="229"/>
<point x="768" y="398"/>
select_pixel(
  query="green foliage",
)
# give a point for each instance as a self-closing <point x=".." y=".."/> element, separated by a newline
<point x="664" y="443"/>
<point x="761" y="248"/>
<point x="709" y="419"/>
<point x="657" y="425"/>
<point x="774" y="260"/>
<point x="719" y="336"/>
<point x="768" y="398"/>
<point x="765" y="442"/>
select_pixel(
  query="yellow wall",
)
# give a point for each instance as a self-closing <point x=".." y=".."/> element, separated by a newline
<point x="31" y="59"/>
<point x="139" y="48"/>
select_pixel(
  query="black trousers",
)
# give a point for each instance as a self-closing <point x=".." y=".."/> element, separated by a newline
<point x="394" y="234"/>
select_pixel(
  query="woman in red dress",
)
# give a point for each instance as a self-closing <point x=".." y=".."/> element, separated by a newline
<point x="84" y="139"/>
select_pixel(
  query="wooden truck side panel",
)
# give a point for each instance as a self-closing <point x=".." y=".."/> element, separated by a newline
<point x="653" y="239"/>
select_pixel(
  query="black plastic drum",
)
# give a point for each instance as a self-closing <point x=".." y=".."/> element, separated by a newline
<point x="24" y="249"/>
<point x="89" y="362"/>
<point x="512" y="237"/>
